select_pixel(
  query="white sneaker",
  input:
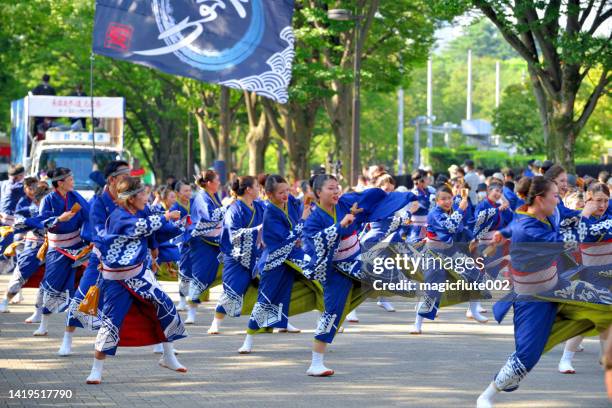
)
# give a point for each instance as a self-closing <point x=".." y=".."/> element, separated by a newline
<point x="352" y="317"/>
<point x="319" y="371"/>
<point x="565" y="367"/>
<point x="386" y="305"/>
<point x="35" y="317"/>
<point x="18" y="298"/>
<point x="4" y="306"/>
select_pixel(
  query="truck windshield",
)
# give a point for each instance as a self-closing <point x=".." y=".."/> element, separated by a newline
<point x="79" y="161"/>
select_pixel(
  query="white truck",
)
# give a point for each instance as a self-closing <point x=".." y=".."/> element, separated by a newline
<point x="61" y="146"/>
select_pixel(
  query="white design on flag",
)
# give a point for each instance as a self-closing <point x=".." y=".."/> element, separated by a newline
<point x="271" y="84"/>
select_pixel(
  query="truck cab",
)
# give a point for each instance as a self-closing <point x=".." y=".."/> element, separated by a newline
<point x="65" y="145"/>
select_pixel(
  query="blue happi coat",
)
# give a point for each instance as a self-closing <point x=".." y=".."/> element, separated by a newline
<point x="535" y="250"/>
<point x="281" y="258"/>
<point x="489" y="218"/>
<point x="130" y="290"/>
<point x="240" y="246"/>
<point x="335" y="252"/>
<point x="65" y="239"/>
<point x="205" y="234"/>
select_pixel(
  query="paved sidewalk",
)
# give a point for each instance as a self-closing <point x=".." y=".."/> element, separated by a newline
<point x="377" y="364"/>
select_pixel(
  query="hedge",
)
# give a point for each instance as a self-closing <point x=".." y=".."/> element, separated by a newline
<point x="441" y="158"/>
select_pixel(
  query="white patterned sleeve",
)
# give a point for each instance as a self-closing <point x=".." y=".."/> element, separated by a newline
<point x="143" y="227"/>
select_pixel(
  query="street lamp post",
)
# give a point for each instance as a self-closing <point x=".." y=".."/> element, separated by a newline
<point x="346" y="15"/>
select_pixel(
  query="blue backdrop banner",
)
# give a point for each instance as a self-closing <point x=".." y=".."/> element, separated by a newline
<point x="242" y="44"/>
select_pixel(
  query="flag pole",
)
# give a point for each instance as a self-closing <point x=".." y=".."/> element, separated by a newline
<point x="91" y="92"/>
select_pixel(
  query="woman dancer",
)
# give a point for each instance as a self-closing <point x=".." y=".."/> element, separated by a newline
<point x="283" y="222"/>
<point x="330" y="239"/>
<point x="101" y="208"/>
<point x="206" y="226"/>
<point x="136" y="311"/>
<point x="241" y="246"/>
<point x="596" y="255"/>
<point x="27" y="221"/>
<point x="64" y="213"/>
<point x="542" y="322"/>
<point x="446" y="235"/>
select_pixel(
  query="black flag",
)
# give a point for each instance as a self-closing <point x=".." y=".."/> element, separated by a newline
<point x="243" y="44"/>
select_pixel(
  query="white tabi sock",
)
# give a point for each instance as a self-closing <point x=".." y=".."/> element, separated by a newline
<point x="35" y="317"/>
<point x="169" y="360"/>
<point x="565" y="364"/>
<point x="66" y="347"/>
<point x="474" y="306"/>
<point x="352" y="316"/>
<point x="317" y="359"/>
<point x="317" y="369"/>
<point x="44" y="323"/>
<point x="95" y="377"/>
<point x="247" y="346"/>
<point x="182" y="304"/>
<point x="568" y="355"/>
<point x="191" y="314"/>
<point x="485" y="400"/>
<point x="18" y="298"/>
<point x="4" y="306"/>
<point x="292" y="329"/>
<point x="215" y="326"/>
<point x="418" y="324"/>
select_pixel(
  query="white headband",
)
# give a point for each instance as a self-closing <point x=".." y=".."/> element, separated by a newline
<point x="127" y="194"/>
<point x="62" y="177"/>
<point x="124" y="170"/>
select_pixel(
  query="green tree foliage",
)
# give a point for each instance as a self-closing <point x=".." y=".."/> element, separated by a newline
<point x="517" y="120"/>
<point x="562" y="43"/>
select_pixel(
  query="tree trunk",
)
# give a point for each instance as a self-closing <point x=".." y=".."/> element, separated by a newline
<point x="206" y="149"/>
<point x="225" y="115"/>
<point x="295" y="129"/>
<point x="258" y="136"/>
<point x="561" y="136"/>
<point x="281" y="157"/>
<point x="257" y="140"/>
<point x="339" y="110"/>
<point x="299" y="121"/>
